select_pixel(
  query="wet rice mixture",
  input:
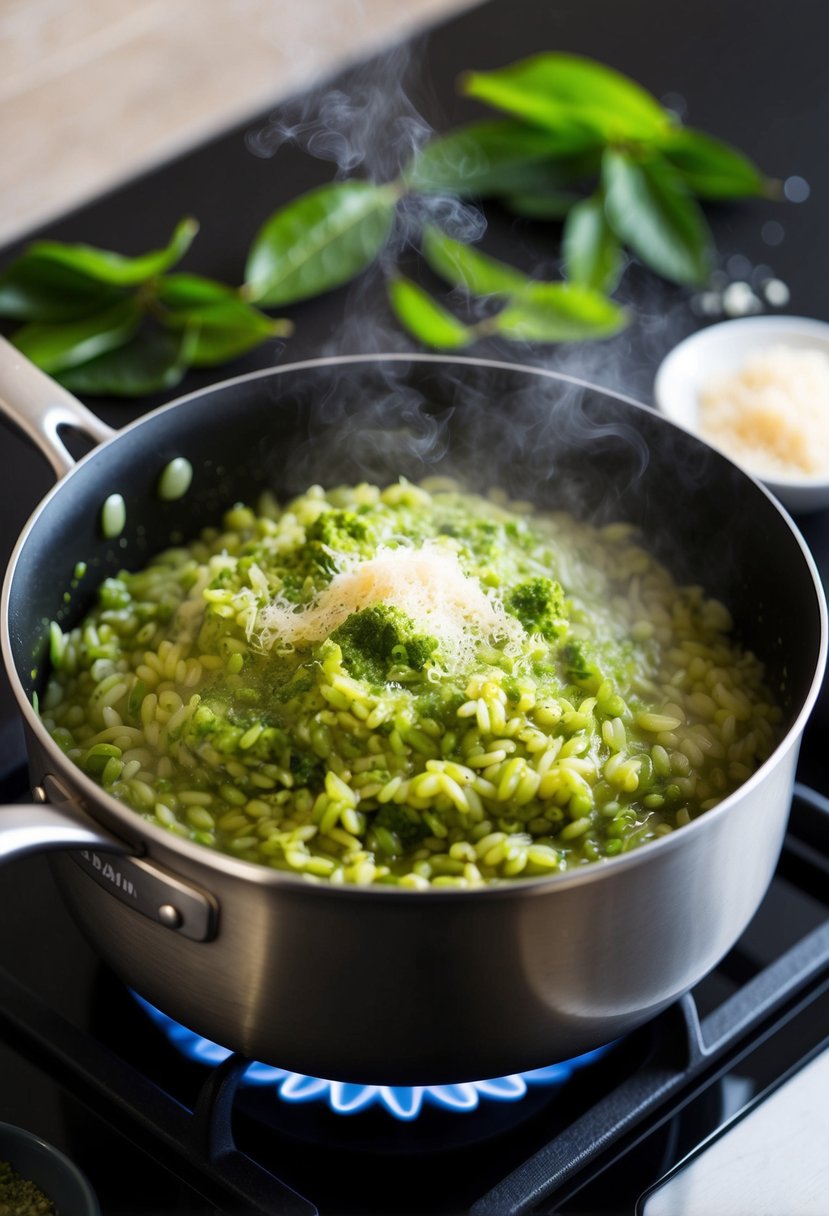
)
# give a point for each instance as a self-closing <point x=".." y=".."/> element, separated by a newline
<point x="410" y="685"/>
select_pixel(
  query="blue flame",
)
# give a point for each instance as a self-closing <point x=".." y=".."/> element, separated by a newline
<point x="345" y="1098"/>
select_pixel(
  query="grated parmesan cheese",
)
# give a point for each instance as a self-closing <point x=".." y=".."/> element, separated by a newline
<point x="427" y="584"/>
<point x="773" y="413"/>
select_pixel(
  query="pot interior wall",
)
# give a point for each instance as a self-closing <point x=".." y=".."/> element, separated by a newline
<point x="540" y="438"/>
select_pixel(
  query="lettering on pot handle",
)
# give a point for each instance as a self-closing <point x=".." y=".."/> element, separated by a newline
<point x="154" y="893"/>
<point x="111" y="874"/>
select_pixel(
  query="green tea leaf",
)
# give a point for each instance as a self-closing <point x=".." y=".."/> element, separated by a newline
<point x="186" y="299"/>
<point x="592" y="254"/>
<point x="494" y="157"/>
<point x="224" y="325"/>
<point x="553" y="205"/>
<point x="650" y="209"/>
<point x="113" y="268"/>
<point x="55" y="347"/>
<point x="559" y="312"/>
<point x="231" y="313"/>
<point x="225" y="329"/>
<point x="36" y="289"/>
<point x="154" y="359"/>
<point x="214" y="345"/>
<point x="463" y="266"/>
<point x="576" y="98"/>
<point x="709" y="167"/>
<point x="425" y="319"/>
<point x="183" y="290"/>
<point x="319" y="241"/>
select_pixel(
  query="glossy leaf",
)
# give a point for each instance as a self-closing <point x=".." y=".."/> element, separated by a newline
<point x="649" y="208"/>
<point x="540" y="205"/>
<point x="216" y="345"/>
<point x="318" y="242"/>
<point x="226" y="329"/>
<point x="576" y="98"/>
<point x="36" y="289"/>
<point x="182" y="290"/>
<point x="57" y="346"/>
<point x="709" y="167"/>
<point x="114" y="268"/>
<point x="466" y="267"/>
<point x="424" y="319"/>
<point x="154" y="359"/>
<point x="592" y="254"/>
<point x="497" y="157"/>
<point x="559" y="312"/>
<point x="232" y="313"/>
<point x="224" y="325"/>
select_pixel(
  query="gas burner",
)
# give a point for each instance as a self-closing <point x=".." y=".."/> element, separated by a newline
<point x="404" y="1102"/>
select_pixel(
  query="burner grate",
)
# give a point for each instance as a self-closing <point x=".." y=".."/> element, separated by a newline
<point x="403" y="1102"/>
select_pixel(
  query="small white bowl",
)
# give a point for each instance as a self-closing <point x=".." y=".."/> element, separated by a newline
<point x="723" y="348"/>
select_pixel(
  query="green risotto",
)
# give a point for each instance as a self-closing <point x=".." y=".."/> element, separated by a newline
<point x="411" y="686"/>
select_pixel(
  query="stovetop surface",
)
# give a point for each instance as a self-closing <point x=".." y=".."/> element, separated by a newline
<point x="754" y="76"/>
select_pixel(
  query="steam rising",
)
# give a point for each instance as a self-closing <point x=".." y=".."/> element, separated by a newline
<point x="369" y="127"/>
<point x="372" y="130"/>
<point x="372" y="127"/>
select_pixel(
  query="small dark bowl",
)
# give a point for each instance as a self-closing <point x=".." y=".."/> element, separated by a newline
<point x="50" y="1170"/>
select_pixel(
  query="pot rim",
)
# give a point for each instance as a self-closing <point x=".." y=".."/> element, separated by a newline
<point x="137" y="827"/>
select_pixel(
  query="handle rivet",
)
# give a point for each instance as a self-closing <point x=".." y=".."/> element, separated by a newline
<point x="170" y="916"/>
<point x="39" y="794"/>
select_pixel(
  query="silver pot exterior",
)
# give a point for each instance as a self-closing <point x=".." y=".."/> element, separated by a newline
<point x="403" y="987"/>
<point x="389" y="986"/>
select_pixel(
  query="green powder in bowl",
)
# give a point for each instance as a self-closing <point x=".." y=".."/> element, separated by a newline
<point x="20" y="1196"/>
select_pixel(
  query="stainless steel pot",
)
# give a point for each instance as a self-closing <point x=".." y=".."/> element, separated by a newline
<point x="383" y="985"/>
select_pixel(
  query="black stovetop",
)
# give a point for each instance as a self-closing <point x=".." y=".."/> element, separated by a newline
<point x="82" y="1064"/>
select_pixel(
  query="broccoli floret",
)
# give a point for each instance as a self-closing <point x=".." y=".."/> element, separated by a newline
<point x="307" y="571"/>
<point x="404" y="824"/>
<point x="225" y="737"/>
<point x="319" y="558"/>
<point x="578" y="669"/>
<point x="539" y="605"/>
<point x="297" y="687"/>
<point x="306" y="770"/>
<point x="343" y="531"/>
<point x="482" y="539"/>
<point x="311" y="566"/>
<point x="415" y="651"/>
<point x="225" y="727"/>
<point x="440" y="703"/>
<point x="375" y="639"/>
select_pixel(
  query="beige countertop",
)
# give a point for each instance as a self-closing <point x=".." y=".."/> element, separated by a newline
<point x="94" y="91"/>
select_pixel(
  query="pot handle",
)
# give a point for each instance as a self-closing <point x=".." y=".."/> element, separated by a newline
<point x="141" y="884"/>
<point x="41" y="408"/>
<point x="40" y="826"/>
